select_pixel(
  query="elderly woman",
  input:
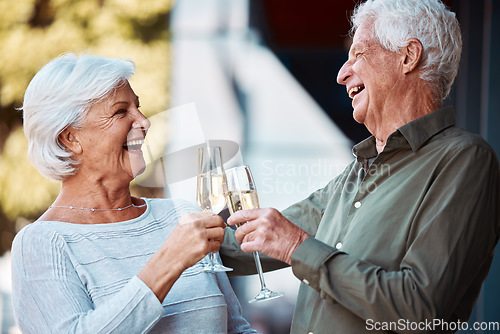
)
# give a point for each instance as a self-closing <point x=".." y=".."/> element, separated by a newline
<point x="99" y="260"/>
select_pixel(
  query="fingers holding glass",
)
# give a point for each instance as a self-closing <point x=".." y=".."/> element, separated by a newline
<point x="242" y="195"/>
<point x="210" y="192"/>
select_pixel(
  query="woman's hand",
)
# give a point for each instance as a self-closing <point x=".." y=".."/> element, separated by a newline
<point x="196" y="235"/>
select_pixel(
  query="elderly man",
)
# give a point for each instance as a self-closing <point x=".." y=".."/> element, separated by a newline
<point x="403" y="239"/>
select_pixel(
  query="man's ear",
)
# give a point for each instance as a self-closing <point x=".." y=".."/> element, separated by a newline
<point x="69" y="139"/>
<point x="412" y="55"/>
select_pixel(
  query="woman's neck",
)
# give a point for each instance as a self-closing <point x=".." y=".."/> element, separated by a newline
<point x="94" y="201"/>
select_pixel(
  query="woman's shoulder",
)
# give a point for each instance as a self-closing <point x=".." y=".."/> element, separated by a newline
<point x="168" y="205"/>
<point x="38" y="232"/>
<point x="36" y="244"/>
<point x="36" y="229"/>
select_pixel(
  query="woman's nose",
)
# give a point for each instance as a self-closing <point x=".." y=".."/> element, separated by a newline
<point x="141" y="121"/>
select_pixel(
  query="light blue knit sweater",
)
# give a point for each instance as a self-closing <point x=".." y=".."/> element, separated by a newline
<point x="81" y="278"/>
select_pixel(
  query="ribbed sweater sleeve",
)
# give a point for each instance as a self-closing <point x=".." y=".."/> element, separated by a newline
<point x="51" y="298"/>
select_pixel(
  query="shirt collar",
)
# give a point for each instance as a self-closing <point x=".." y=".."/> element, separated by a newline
<point x="365" y="149"/>
<point x="422" y="129"/>
<point x="416" y="132"/>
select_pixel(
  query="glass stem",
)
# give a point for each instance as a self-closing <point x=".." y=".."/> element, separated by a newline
<point x="259" y="270"/>
<point x="212" y="259"/>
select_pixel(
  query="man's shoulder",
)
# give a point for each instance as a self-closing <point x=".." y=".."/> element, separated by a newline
<point x="464" y="137"/>
<point x="457" y="139"/>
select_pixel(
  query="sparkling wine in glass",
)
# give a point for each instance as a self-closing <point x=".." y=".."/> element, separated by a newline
<point x="242" y="195"/>
<point x="210" y="192"/>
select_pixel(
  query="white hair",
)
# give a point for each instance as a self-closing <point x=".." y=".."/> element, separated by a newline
<point x="429" y="21"/>
<point x="60" y="95"/>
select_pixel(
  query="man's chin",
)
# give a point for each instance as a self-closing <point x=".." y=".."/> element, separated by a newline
<point x="358" y="116"/>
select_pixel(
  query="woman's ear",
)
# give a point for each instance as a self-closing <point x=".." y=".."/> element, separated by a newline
<point x="69" y="139"/>
<point x="412" y="55"/>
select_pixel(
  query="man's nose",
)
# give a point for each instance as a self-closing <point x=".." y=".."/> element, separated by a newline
<point x="344" y="73"/>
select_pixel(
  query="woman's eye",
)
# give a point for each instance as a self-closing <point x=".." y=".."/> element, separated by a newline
<point x="120" y="112"/>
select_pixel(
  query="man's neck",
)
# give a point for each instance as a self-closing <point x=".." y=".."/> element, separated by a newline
<point x="412" y="106"/>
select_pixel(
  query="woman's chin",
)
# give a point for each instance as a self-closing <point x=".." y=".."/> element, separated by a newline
<point x="136" y="173"/>
<point x="137" y="166"/>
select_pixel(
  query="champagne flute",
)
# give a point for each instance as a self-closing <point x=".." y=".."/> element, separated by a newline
<point x="210" y="192"/>
<point x="242" y="195"/>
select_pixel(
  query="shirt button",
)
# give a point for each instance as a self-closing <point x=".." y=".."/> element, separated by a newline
<point x="338" y="245"/>
<point x="305" y="281"/>
<point x="357" y="205"/>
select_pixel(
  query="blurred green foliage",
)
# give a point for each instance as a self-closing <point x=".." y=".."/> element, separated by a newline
<point x="32" y="32"/>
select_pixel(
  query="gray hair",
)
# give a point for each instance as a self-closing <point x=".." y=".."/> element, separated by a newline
<point x="429" y="21"/>
<point x="60" y="95"/>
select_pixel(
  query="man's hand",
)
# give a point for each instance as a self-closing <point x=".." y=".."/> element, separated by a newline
<point x="268" y="232"/>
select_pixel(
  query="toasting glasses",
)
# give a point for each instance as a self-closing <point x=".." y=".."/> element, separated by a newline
<point x="242" y="195"/>
<point x="211" y="192"/>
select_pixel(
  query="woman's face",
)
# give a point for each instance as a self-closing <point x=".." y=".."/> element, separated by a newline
<point x="112" y="137"/>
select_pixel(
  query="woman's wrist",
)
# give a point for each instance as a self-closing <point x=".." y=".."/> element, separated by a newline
<point x="160" y="274"/>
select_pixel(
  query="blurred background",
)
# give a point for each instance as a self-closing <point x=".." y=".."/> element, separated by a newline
<point x="260" y="74"/>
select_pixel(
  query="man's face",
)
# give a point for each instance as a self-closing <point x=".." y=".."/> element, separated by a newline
<point x="371" y="76"/>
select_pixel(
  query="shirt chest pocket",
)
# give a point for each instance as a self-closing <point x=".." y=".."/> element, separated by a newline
<point x="374" y="227"/>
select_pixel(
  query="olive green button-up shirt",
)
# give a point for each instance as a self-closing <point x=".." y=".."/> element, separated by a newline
<point x="401" y="240"/>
